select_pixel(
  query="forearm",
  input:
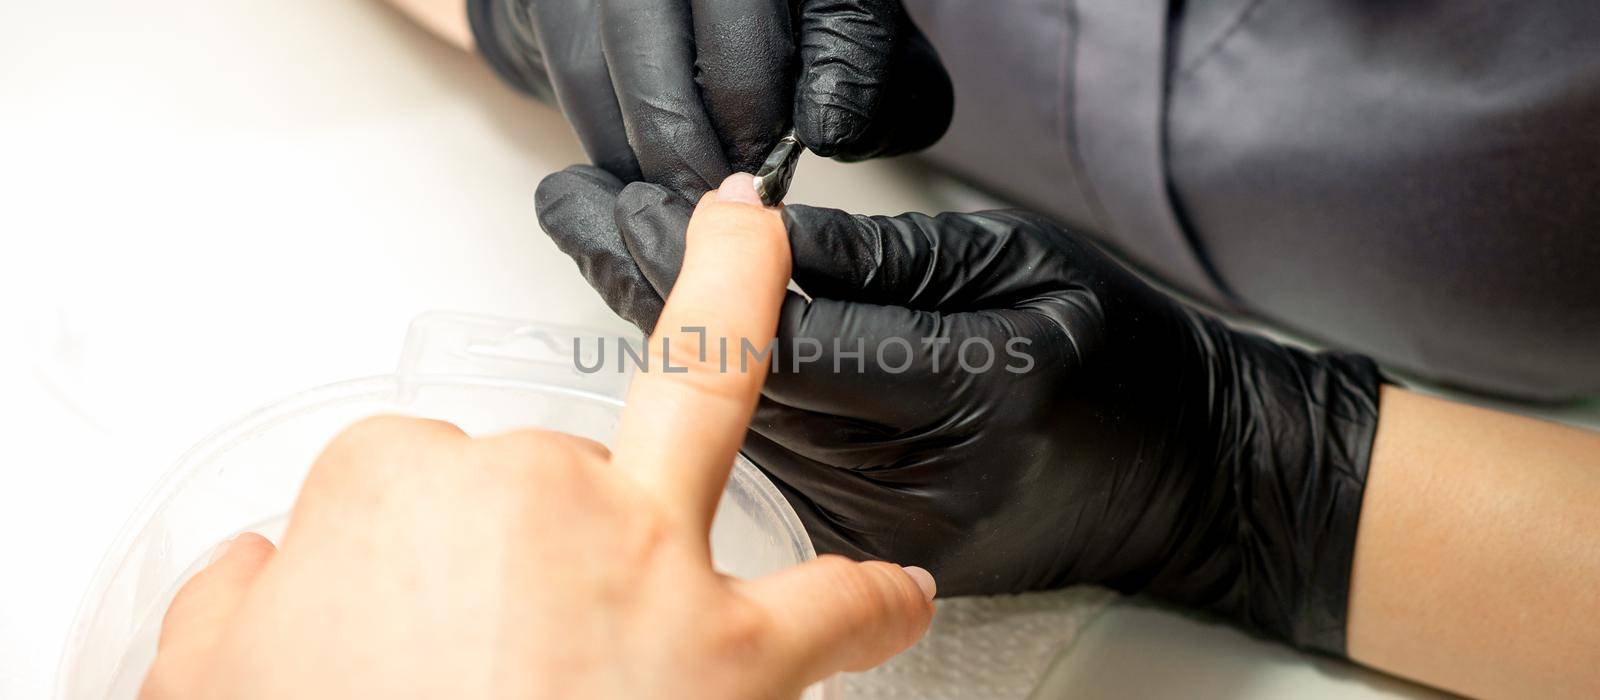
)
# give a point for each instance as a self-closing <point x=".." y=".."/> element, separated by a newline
<point x="1477" y="564"/>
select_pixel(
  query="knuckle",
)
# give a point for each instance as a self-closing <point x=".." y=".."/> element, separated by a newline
<point x="522" y="444"/>
<point x="389" y="426"/>
<point x="700" y="360"/>
<point x="250" y="546"/>
<point x="376" y="447"/>
<point x="876" y="590"/>
<point x="543" y="456"/>
<point x="589" y="447"/>
<point x="854" y="586"/>
<point x="708" y="379"/>
<point x="383" y="434"/>
<point x="896" y="586"/>
<point x="906" y="613"/>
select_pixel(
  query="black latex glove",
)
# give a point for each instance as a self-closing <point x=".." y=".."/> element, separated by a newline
<point x="1144" y="446"/>
<point x="685" y="92"/>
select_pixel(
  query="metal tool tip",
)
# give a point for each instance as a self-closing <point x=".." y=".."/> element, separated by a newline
<point x="777" y="172"/>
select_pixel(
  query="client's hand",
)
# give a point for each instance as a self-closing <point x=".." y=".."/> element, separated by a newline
<point x="991" y="396"/>
<point x="420" y="562"/>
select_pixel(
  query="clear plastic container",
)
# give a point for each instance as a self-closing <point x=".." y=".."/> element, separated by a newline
<point x="484" y="374"/>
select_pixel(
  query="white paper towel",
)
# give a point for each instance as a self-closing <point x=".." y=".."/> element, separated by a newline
<point x="985" y="648"/>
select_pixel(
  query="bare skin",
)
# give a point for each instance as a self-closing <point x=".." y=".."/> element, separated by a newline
<point x="1477" y="564"/>
<point x="422" y="563"/>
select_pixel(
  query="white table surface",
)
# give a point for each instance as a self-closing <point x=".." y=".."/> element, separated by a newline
<point x="207" y="206"/>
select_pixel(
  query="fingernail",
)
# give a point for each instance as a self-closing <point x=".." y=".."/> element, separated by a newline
<point x="739" y="187"/>
<point x="220" y="549"/>
<point x="924" y="580"/>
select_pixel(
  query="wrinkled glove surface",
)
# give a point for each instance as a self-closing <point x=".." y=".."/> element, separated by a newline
<point x="683" y="93"/>
<point x="1140" y="445"/>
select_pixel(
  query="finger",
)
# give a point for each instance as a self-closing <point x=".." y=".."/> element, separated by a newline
<point x="839" y="442"/>
<point x="649" y="47"/>
<point x="845" y="50"/>
<point x="744" y="53"/>
<point x="832" y="349"/>
<point x="199" y="613"/>
<point x="952" y="262"/>
<point x="833" y="614"/>
<point x="507" y="40"/>
<point x="681" y="429"/>
<point x="577" y="209"/>
<point x="569" y="35"/>
<point x="870" y="83"/>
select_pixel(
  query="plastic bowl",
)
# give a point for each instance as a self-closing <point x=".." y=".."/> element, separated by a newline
<point x="485" y="375"/>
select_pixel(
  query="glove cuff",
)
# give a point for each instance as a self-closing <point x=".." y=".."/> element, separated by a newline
<point x="507" y="40"/>
<point x="1302" y="427"/>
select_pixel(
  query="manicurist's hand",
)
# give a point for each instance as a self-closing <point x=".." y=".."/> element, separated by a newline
<point x="992" y="397"/>
<point x="683" y="92"/>
<point x="421" y="562"/>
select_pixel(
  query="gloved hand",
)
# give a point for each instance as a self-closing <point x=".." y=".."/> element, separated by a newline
<point x="1026" y="413"/>
<point x="683" y="93"/>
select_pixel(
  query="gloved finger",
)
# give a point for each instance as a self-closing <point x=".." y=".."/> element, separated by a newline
<point x="832" y="614"/>
<point x="872" y="514"/>
<point x="952" y="262"/>
<point x="649" y="47"/>
<point x="870" y="83"/>
<point x="653" y="222"/>
<point x="568" y="33"/>
<point x="745" y="57"/>
<point x="840" y="442"/>
<point x="577" y="209"/>
<point x="199" y="612"/>
<point x="833" y="351"/>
